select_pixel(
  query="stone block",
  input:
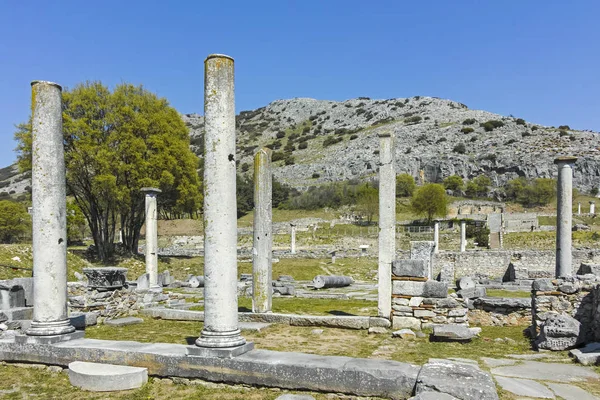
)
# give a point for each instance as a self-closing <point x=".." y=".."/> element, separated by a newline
<point x="19" y="313"/>
<point x="517" y="272"/>
<point x="587" y="355"/>
<point x="408" y="288"/>
<point x="424" y="314"/>
<point x="463" y="381"/>
<point x="411" y="268"/>
<point x="406" y="322"/>
<point x="295" y="397"/>
<point x="558" y="332"/>
<point x="229" y="352"/>
<point x="466" y="282"/>
<point x="472" y="293"/>
<point x="123" y="321"/>
<point x="457" y="312"/>
<point x="589" y="268"/>
<point x="415" y="301"/>
<point x="543" y="285"/>
<point x="143" y="282"/>
<point x="451" y="333"/>
<point x="423" y="251"/>
<point x="404" y="334"/>
<point x="447" y="274"/>
<point x="106" y="377"/>
<point x="379" y="322"/>
<point x="435" y="289"/>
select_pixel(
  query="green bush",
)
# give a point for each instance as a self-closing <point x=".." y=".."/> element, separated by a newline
<point x="564" y="127"/>
<point x="280" y="135"/>
<point x="315" y="175"/>
<point x="469" y="121"/>
<point x="520" y="121"/>
<point x="563" y="133"/>
<point x="405" y="185"/>
<point x="430" y="200"/>
<point x="331" y="140"/>
<point x="460" y="148"/>
<point x="302" y="145"/>
<point x="453" y="182"/>
<point x="467" y="129"/>
<point x="481" y="234"/>
<point x="413" y="120"/>
<point x="277" y="156"/>
<point x="14" y="221"/>
<point x="538" y="192"/>
<point x="534" y="128"/>
<point x="594" y="191"/>
<point x="489" y="126"/>
<point x="478" y="187"/>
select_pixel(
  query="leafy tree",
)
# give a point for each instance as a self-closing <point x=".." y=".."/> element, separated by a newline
<point x="478" y="187"/>
<point x="515" y="187"/>
<point x="453" y="182"/>
<point x="594" y="191"/>
<point x="430" y="200"/>
<point x="14" y="221"/>
<point x="540" y="193"/>
<point x="76" y="223"/>
<point x="368" y="202"/>
<point x="460" y="148"/>
<point x="405" y="185"/>
<point x="116" y="143"/>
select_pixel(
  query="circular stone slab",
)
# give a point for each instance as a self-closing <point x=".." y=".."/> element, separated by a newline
<point x="106" y="377"/>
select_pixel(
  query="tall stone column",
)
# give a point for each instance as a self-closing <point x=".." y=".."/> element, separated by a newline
<point x="221" y="329"/>
<point x="436" y="236"/>
<point x="152" y="237"/>
<point x="579" y="208"/>
<point x="564" y="217"/>
<point x="387" y="223"/>
<point x="263" y="238"/>
<point x="592" y="207"/>
<point x="293" y="234"/>
<point x="463" y="236"/>
<point x="49" y="213"/>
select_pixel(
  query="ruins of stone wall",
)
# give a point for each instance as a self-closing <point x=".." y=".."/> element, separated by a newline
<point x="498" y="311"/>
<point x="423" y="312"/>
<point x="576" y="297"/>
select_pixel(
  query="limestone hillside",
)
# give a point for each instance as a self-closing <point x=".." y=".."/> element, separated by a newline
<point x="326" y="141"/>
<point x="319" y="141"/>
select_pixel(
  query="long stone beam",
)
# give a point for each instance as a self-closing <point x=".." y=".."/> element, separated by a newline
<point x="296" y="371"/>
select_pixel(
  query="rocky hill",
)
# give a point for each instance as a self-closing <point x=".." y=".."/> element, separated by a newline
<point x="318" y="141"/>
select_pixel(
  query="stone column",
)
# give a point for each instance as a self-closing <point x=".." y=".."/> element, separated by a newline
<point x="436" y="236"/>
<point x="579" y="208"/>
<point x="463" y="236"/>
<point x="263" y="239"/>
<point x="293" y="250"/>
<point x="49" y="213"/>
<point x="221" y="329"/>
<point x="152" y="237"/>
<point x="387" y="223"/>
<point x="564" y="217"/>
<point x="592" y="207"/>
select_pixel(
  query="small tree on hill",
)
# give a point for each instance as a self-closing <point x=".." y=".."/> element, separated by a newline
<point x="430" y="200"/>
<point x="405" y="185"/>
<point x="14" y="221"/>
<point x="453" y="182"/>
<point x="368" y="202"/>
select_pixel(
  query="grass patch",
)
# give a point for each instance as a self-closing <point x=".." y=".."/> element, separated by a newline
<point x="299" y="305"/>
<point x="547" y="220"/>
<point x="508" y="293"/>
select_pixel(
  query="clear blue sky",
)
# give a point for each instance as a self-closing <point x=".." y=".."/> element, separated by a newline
<point x="535" y="59"/>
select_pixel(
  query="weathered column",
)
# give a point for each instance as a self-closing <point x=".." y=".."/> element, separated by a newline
<point x="592" y="207"/>
<point x="564" y="217"/>
<point x="152" y="237"/>
<point x="387" y="223"/>
<point x="293" y="234"/>
<point x="49" y="213"/>
<point x="579" y="208"/>
<point x="221" y="329"/>
<point x="436" y="236"/>
<point x="463" y="236"/>
<point x="263" y="239"/>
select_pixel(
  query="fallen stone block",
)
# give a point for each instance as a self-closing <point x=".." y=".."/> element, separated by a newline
<point x="524" y="387"/>
<point x="472" y="293"/>
<point x="106" y="377"/>
<point x="123" y="321"/>
<point x="587" y="355"/>
<point x="466" y="282"/>
<point x="460" y="380"/>
<point x="406" y="334"/>
<point x="435" y="289"/>
<point x="406" y="322"/>
<point x="543" y="285"/>
<point x="588" y="268"/>
<point x="410" y="268"/>
<point x="295" y="397"/>
<point x="558" y="332"/>
<point x="324" y="281"/>
<point x="451" y="333"/>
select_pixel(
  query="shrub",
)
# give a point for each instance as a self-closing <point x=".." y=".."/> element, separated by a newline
<point x="594" y="191"/>
<point x="453" y="182"/>
<point x="520" y="121"/>
<point x="473" y="139"/>
<point x="289" y="160"/>
<point x="467" y="129"/>
<point x="534" y="128"/>
<point x="460" y="148"/>
<point x="277" y="156"/>
<point x="413" y="120"/>
<point x="525" y="134"/>
<point x="441" y="140"/>
<point x="303" y="145"/>
<point x="564" y="127"/>
<point x="315" y="175"/>
<point x="469" y="121"/>
<point x="563" y="133"/>
<point x="331" y="140"/>
<point x="510" y="141"/>
<point x="353" y="136"/>
<point x="245" y="167"/>
<point x="491" y="124"/>
<point x="478" y="187"/>
<point x="14" y="221"/>
<point x="306" y="129"/>
<point x="405" y="185"/>
<point x="280" y="135"/>
<point x="481" y="234"/>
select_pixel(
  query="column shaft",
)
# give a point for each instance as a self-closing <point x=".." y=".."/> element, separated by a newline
<point x="263" y="240"/>
<point x="293" y="238"/>
<point x="564" y="217"/>
<point x="436" y="236"/>
<point x="49" y="213"/>
<point x="463" y="236"/>
<point x="387" y="224"/>
<point x="220" y="216"/>
<point x="152" y="237"/>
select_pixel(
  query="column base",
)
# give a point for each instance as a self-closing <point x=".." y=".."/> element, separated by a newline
<point x="50" y="339"/>
<point x="155" y="289"/>
<point x="215" y="340"/>
<point x="53" y="328"/>
<point x="221" y="352"/>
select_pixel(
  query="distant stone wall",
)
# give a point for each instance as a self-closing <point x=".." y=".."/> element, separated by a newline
<point x="494" y="264"/>
<point x="521" y="222"/>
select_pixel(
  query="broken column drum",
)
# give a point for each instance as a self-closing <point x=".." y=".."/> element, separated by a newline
<point x="49" y="213"/>
<point x="324" y="281"/>
<point x="152" y="236"/>
<point x="463" y="236"/>
<point x="387" y="223"/>
<point x="263" y="240"/>
<point x="221" y="328"/>
<point x="564" y="216"/>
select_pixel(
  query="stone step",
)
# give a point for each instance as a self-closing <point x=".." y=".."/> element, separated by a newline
<point x="97" y="377"/>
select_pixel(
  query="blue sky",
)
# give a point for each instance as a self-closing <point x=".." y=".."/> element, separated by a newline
<point x="536" y="59"/>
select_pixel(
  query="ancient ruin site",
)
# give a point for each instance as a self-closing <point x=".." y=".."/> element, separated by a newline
<point x="368" y="248"/>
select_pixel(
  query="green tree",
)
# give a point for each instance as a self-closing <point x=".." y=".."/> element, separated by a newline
<point x="453" y="182"/>
<point x="514" y="188"/>
<point x="541" y="192"/>
<point x="430" y="200"/>
<point x="405" y="185"/>
<point x="116" y="143"/>
<point x="76" y="223"/>
<point x="478" y="187"/>
<point x="367" y="202"/>
<point x="14" y="221"/>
